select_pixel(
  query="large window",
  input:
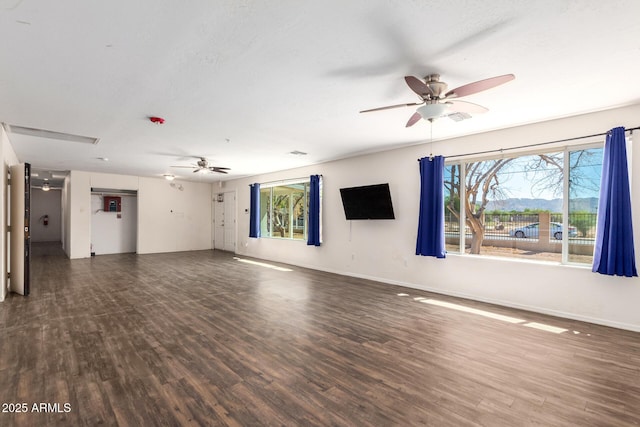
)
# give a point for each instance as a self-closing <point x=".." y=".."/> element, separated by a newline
<point x="539" y="206"/>
<point x="283" y="210"/>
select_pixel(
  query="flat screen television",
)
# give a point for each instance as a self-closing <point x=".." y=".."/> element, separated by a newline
<point x="367" y="202"/>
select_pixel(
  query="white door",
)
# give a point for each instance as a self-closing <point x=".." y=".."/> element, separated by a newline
<point x="224" y="221"/>
<point x="230" y="221"/>
<point x="7" y="208"/>
<point x="20" y="236"/>
<point x="218" y="222"/>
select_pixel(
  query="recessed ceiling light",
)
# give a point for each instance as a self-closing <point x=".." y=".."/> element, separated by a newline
<point x="169" y="177"/>
<point x="104" y="159"/>
<point x="298" y="153"/>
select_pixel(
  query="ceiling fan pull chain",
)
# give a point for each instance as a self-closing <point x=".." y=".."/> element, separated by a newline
<point x="431" y="140"/>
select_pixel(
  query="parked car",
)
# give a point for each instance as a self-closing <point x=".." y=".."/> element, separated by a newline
<point x="533" y="230"/>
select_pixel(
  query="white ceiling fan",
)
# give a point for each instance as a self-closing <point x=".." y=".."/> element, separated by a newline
<point x="437" y="102"/>
<point x="203" y="166"/>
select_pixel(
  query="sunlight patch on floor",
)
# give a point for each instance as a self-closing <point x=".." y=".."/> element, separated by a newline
<point x="483" y="313"/>
<point x="544" y="327"/>
<point x="262" y="264"/>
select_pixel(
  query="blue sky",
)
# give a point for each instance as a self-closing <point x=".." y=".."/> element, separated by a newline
<point x="519" y="180"/>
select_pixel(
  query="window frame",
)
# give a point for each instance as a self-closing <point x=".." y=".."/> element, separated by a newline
<point x="271" y="186"/>
<point x="566" y="150"/>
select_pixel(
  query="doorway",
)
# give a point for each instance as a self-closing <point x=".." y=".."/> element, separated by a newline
<point x="114" y="221"/>
<point x="224" y="221"/>
<point x="46" y="213"/>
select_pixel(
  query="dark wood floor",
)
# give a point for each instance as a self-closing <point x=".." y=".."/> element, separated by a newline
<point x="200" y="338"/>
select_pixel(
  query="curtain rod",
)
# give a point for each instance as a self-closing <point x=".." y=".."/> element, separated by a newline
<point x="284" y="181"/>
<point x="500" y="150"/>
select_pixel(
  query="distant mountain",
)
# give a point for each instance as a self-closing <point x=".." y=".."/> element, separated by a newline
<point x="588" y="204"/>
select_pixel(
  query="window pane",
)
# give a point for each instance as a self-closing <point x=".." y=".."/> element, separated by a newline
<point x="509" y="206"/>
<point x="265" y="212"/>
<point x="283" y="211"/>
<point x="452" y="208"/>
<point x="281" y="216"/>
<point x="585" y="170"/>
<point x="298" y="211"/>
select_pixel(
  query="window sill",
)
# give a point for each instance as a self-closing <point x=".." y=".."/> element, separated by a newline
<point x="521" y="260"/>
<point x="286" y="239"/>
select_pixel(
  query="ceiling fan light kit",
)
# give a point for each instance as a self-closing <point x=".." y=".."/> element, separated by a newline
<point x="432" y="111"/>
<point x="437" y="102"/>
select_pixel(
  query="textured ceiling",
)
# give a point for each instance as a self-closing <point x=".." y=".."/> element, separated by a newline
<point x="246" y="82"/>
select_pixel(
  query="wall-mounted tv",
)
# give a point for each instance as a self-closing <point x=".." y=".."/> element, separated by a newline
<point x="367" y="202"/>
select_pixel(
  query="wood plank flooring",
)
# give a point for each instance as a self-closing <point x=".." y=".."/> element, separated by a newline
<point x="199" y="338"/>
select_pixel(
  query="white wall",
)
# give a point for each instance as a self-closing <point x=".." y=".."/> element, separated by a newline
<point x="168" y="219"/>
<point x="114" y="232"/>
<point x="172" y="219"/>
<point x="112" y="181"/>
<point x="79" y="194"/>
<point x="46" y="203"/>
<point x="7" y="158"/>
<point x="385" y="250"/>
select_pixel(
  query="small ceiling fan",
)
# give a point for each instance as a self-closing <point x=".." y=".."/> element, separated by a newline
<point x="202" y="166"/>
<point x="437" y="102"/>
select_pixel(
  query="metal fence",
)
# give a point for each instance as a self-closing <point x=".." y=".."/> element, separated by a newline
<point x="509" y="226"/>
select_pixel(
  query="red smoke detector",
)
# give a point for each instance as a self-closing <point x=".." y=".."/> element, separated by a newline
<point x="157" y="120"/>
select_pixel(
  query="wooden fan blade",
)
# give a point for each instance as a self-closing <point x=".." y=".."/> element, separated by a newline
<point x="466" y="107"/>
<point x="414" y="119"/>
<point x="418" y="86"/>
<point x="389" y="107"/>
<point x="218" y="169"/>
<point x="479" y="86"/>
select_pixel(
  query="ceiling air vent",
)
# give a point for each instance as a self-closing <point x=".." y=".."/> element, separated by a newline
<point x="41" y="133"/>
<point x="458" y="116"/>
